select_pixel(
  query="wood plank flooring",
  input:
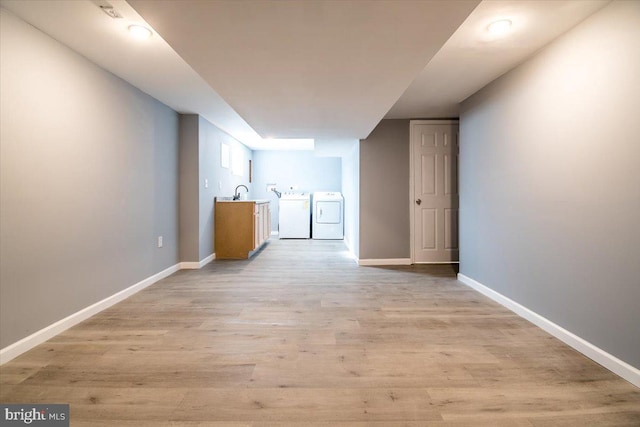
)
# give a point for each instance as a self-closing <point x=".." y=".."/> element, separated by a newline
<point x="300" y="335"/>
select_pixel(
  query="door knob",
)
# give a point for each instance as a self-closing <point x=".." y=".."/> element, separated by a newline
<point x="418" y="201"/>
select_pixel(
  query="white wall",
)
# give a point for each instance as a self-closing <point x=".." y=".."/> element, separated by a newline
<point x="351" y="193"/>
<point x="550" y="182"/>
<point x="301" y="170"/>
<point x="89" y="180"/>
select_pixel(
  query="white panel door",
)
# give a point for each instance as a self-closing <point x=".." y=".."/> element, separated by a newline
<point x="435" y="192"/>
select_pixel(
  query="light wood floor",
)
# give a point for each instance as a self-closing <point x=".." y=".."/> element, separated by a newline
<point x="301" y="335"/>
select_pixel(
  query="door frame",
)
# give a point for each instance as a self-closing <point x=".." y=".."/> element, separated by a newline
<point x="412" y="177"/>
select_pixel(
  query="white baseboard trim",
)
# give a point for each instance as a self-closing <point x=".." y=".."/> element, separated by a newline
<point x="612" y="363"/>
<point x="207" y="260"/>
<point x="193" y="265"/>
<point x="437" y="263"/>
<point x="351" y="255"/>
<point x="12" y="351"/>
<point x="274" y="233"/>
<point x="385" y="261"/>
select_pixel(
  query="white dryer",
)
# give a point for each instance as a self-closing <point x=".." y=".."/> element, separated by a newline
<point x="328" y="216"/>
<point x="294" y="219"/>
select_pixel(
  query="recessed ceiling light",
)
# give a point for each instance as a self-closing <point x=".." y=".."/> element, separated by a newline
<point x="500" y="27"/>
<point x="139" y="31"/>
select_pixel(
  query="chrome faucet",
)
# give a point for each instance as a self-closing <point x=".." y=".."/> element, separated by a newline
<point x="236" y="195"/>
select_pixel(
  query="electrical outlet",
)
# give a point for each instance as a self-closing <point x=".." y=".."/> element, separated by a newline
<point x="206" y="183"/>
<point x="159" y="241"/>
<point x="219" y="185"/>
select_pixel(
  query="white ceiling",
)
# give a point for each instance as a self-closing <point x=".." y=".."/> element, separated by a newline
<point x="307" y="69"/>
<point x="150" y="65"/>
<point x="471" y="58"/>
<point x="328" y="70"/>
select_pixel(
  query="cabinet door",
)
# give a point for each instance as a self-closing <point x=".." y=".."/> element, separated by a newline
<point x="268" y="221"/>
<point x="256" y="229"/>
<point x="234" y="229"/>
<point x="265" y="221"/>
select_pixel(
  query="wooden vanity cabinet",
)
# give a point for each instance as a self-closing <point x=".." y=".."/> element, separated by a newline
<point x="241" y="227"/>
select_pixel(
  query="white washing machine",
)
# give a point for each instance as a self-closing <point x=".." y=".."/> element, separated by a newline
<point x="328" y="217"/>
<point x="294" y="219"/>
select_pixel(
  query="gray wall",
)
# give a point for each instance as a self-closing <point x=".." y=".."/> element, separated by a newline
<point x="202" y="178"/>
<point x="384" y="192"/>
<point x="89" y="172"/>
<point x="351" y="193"/>
<point x="189" y="189"/>
<point x="550" y="182"/>
<point x="299" y="169"/>
<point x="222" y="182"/>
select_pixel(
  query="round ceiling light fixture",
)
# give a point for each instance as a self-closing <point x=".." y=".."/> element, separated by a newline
<point x="140" y="32"/>
<point x="500" y="27"/>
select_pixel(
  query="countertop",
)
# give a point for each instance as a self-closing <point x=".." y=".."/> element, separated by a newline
<point x="229" y="199"/>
